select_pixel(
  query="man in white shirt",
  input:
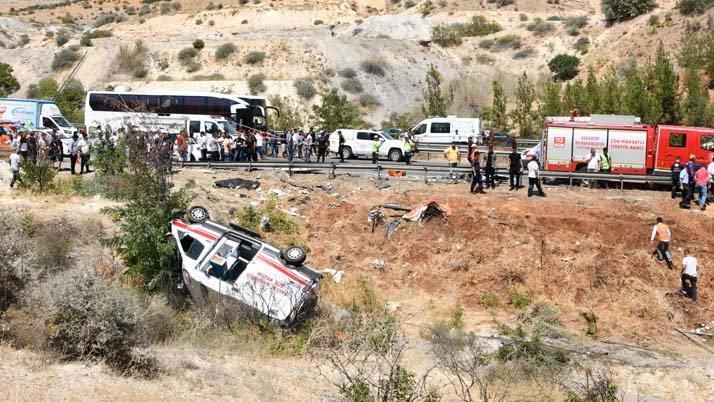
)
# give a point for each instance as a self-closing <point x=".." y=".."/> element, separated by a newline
<point x="593" y="161"/>
<point x="14" y="167"/>
<point x="684" y="181"/>
<point x="201" y="143"/>
<point x="689" y="276"/>
<point x="534" y="177"/>
<point x="212" y="147"/>
<point x="83" y="148"/>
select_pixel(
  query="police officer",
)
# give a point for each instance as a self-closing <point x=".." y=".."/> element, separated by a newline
<point x="341" y="146"/>
<point x="676" y="170"/>
<point x="514" y="169"/>
<point x="490" y="168"/>
<point x="408" y="147"/>
<point x="375" y="149"/>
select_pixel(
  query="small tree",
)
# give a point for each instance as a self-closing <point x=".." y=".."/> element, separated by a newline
<point x="691" y="7"/>
<point x="664" y="81"/>
<point x="335" y="111"/>
<point x="637" y="99"/>
<point x="290" y="117"/>
<point x="8" y="82"/>
<point x="611" y="93"/>
<point x="564" y="66"/>
<point x="498" y="114"/>
<point x="437" y="103"/>
<point x="198" y="44"/>
<point x="592" y="93"/>
<point x="550" y="104"/>
<point x="620" y="10"/>
<point x="523" y="114"/>
<point x="695" y="106"/>
<point x="36" y="177"/>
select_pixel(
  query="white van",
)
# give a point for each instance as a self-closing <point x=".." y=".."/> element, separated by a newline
<point x="359" y="143"/>
<point x="445" y="130"/>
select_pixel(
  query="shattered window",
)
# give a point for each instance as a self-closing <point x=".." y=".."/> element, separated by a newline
<point x="707" y="142"/>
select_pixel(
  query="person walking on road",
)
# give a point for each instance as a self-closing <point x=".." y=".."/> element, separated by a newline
<point x="534" y="177"/>
<point x="476" y="182"/>
<point x="14" y="167"/>
<point x="685" y="183"/>
<point x="490" y="168"/>
<point x="689" y="276"/>
<point x="514" y="169"/>
<point x="408" y="148"/>
<point x="375" y="148"/>
<point x="701" y="180"/>
<point x="73" y="153"/>
<point x="341" y="146"/>
<point x="83" y="147"/>
<point x="321" y="147"/>
<point x="676" y="169"/>
<point x="452" y="155"/>
<point x="661" y="232"/>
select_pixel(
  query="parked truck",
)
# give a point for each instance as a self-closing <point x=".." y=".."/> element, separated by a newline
<point x="634" y="148"/>
<point x="34" y="114"/>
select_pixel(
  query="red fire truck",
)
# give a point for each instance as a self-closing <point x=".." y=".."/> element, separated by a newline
<point x="634" y="148"/>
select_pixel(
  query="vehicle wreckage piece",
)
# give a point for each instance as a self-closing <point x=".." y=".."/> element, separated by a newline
<point x="233" y="264"/>
<point x="237" y="183"/>
<point x="428" y="210"/>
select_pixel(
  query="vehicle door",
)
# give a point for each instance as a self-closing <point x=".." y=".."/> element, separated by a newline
<point x="192" y="248"/>
<point x="211" y="127"/>
<point x="387" y="142"/>
<point x="363" y="144"/>
<point x="48" y="123"/>
<point x="704" y="148"/>
<point x="213" y="268"/>
<point x="673" y="143"/>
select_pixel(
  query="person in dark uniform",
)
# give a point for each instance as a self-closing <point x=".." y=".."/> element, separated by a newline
<point x="321" y="147"/>
<point x="490" y="168"/>
<point x="475" y="159"/>
<point x="341" y="146"/>
<point x="514" y="169"/>
<point x="676" y="170"/>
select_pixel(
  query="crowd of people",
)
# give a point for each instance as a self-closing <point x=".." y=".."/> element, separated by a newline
<point x="692" y="179"/>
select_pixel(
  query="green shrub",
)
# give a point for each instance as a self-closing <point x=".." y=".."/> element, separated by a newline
<point x="305" y="89"/>
<point x="256" y="83"/>
<point x="85" y="41"/>
<point x="654" y="20"/>
<point x="165" y="8"/>
<point x="554" y="18"/>
<point x="198" y="22"/>
<point x="187" y="54"/>
<point x="107" y="19"/>
<point x="318" y="22"/>
<point x="519" y="300"/>
<point x="368" y="101"/>
<point x="581" y="43"/>
<point x="409" y="4"/>
<point x="540" y="27"/>
<point x="572" y="31"/>
<point x="577" y="22"/>
<point x="374" y="67"/>
<point x="198" y="44"/>
<point x="564" y="66"/>
<point x="141" y="72"/>
<point x="64" y="59"/>
<point x="98" y="33"/>
<point x="225" y="50"/>
<point x="254" y="57"/>
<point x="692" y="7"/>
<point x="508" y="41"/>
<point x="209" y="77"/>
<point x="490" y="300"/>
<point x="486" y="43"/>
<point x="347" y="73"/>
<point x="132" y="60"/>
<point x="164" y="78"/>
<point x="620" y="10"/>
<point x="277" y="221"/>
<point x="63" y="36"/>
<point x="502" y="3"/>
<point x="523" y="17"/>
<point x="192" y="66"/>
<point x="352" y="85"/>
<point x="451" y="35"/>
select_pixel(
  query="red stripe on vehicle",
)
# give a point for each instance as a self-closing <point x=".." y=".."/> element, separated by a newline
<point x="282" y="269"/>
<point x="199" y="232"/>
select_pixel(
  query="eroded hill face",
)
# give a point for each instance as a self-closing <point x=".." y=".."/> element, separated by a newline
<point x="314" y="40"/>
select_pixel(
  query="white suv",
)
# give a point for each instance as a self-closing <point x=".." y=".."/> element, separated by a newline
<point x="359" y="143"/>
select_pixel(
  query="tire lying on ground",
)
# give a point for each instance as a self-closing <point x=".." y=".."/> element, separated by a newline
<point x="295" y="256"/>
<point x="197" y="214"/>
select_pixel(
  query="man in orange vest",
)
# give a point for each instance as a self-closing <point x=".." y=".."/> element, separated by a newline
<point x="661" y="232"/>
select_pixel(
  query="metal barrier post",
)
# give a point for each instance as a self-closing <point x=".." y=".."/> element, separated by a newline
<point x="622" y="183"/>
<point x="290" y="170"/>
<point x="379" y="172"/>
<point x="426" y="180"/>
<point x="334" y="167"/>
<point x="208" y="164"/>
<point x="250" y="165"/>
<point x="571" y="180"/>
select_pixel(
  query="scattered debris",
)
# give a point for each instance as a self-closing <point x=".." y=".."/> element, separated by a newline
<point x="379" y="264"/>
<point x="277" y="192"/>
<point x="396" y="207"/>
<point x="392" y="228"/>
<point x="391" y="306"/>
<point x="382" y="185"/>
<point x="335" y="274"/>
<point x="237" y="183"/>
<point x="325" y="186"/>
<point x="428" y="210"/>
<point x="694" y="340"/>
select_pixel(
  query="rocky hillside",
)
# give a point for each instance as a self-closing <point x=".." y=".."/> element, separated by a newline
<point x="387" y="43"/>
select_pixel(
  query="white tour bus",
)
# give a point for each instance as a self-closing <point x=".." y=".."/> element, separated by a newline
<point x="448" y="129"/>
<point x="147" y="110"/>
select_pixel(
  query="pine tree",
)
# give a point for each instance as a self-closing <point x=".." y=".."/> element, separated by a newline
<point x="498" y="114"/>
<point x="8" y="82"/>
<point x="523" y="114"/>
<point x="695" y="106"/>
<point x="437" y="103"/>
<point x="550" y="104"/>
<point x="592" y="94"/>
<point x="574" y="96"/>
<point x="638" y="101"/>
<point x="611" y="93"/>
<point x="664" y="83"/>
<point x="336" y="111"/>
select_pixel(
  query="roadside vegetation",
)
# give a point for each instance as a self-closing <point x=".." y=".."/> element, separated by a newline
<point x="452" y="35"/>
